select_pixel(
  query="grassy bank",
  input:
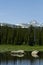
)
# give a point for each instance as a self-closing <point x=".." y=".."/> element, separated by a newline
<point x="21" y="47"/>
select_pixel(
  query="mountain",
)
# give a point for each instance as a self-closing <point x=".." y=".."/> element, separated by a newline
<point x="34" y="23"/>
<point x="23" y="25"/>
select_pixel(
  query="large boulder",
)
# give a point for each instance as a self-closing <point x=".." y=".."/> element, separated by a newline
<point x="35" y="53"/>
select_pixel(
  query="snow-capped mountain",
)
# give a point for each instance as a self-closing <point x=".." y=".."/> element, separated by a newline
<point x="23" y="25"/>
<point x="15" y="25"/>
<point x="6" y="24"/>
<point x="34" y="23"/>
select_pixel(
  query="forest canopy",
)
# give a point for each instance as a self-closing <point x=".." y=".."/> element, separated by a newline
<point x="21" y="36"/>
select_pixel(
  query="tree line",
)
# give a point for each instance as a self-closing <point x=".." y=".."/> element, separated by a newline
<point x="21" y="36"/>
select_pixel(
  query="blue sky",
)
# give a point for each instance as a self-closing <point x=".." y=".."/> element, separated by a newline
<point x="21" y="11"/>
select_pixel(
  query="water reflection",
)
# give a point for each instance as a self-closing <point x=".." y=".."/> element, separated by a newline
<point x="26" y="60"/>
<point x="22" y="62"/>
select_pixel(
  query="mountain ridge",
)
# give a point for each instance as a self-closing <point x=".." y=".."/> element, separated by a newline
<point x="23" y="25"/>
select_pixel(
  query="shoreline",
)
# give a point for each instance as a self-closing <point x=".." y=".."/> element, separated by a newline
<point x="4" y="48"/>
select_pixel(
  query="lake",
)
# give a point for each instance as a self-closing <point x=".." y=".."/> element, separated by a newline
<point x="7" y="59"/>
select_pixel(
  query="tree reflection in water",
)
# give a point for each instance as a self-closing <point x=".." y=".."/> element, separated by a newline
<point x="26" y="60"/>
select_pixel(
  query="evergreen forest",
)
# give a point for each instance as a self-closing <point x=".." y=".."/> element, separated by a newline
<point x="21" y="36"/>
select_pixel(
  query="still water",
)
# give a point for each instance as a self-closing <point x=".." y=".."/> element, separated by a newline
<point x="7" y="59"/>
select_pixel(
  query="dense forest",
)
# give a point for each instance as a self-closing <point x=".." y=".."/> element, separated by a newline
<point x="21" y="36"/>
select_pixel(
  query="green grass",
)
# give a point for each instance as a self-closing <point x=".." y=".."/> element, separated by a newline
<point x="4" y="48"/>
